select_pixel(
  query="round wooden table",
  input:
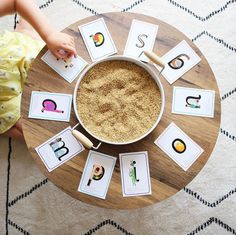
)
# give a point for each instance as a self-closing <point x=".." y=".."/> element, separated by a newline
<point x="167" y="177"/>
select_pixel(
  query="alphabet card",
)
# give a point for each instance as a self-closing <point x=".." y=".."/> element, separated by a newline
<point x="50" y="106"/>
<point x="141" y="38"/>
<point x="178" y="146"/>
<point x="191" y="101"/>
<point x="97" y="174"/>
<point x="135" y="176"/>
<point x="59" y="149"/>
<point x="69" y="68"/>
<point x="97" y="39"/>
<point x="178" y="61"/>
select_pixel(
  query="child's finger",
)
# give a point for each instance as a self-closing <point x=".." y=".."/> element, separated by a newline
<point x="69" y="49"/>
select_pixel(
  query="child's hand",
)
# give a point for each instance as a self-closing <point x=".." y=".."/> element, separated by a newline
<point x="61" y="45"/>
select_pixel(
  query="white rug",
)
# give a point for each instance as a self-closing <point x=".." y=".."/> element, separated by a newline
<point x="29" y="204"/>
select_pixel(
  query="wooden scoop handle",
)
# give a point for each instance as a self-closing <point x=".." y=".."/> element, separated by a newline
<point x="154" y="58"/>
<point x="82" y="138"/>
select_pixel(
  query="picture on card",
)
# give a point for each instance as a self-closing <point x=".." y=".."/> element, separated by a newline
<point x="179" y="146"/>
<point x="68" y="68"/>
<point x="142" y="36"/>
<point x="50" y="106"/>
<point x="178" y="61"/>
<point x="135" y="176"/>
<point x="97" y="174"/>
<point x="59" y="149"/>
<point x="191" y="101"/>
<point x="97" y="39"/>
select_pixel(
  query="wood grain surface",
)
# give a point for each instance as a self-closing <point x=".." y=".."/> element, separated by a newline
<point x="167" y="177"/>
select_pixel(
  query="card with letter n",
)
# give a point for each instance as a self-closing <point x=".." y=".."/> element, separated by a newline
<point x="179" y="146"/>
<point x="191" y="101"/>
<point x="135" y="176"/>
<point x="59" y="149"/>
<point x="97" y="174"/>
<point x="141" y="38"/>
<point x="178" y="61"/>
<point x="68" y="68"/>
<point x="97" y="39"/>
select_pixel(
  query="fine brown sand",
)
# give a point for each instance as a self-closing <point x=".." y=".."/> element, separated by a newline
<point x="118" y="101"/>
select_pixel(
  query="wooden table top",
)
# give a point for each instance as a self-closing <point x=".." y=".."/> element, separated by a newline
<point x="167" y="177"/>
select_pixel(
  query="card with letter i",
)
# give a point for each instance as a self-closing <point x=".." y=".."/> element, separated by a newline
<point x="141" y="38"/>
<point x="59" y="149"/>
<point x="179" y="146"/>
<point x="135" y="176"/>
<point x="97" y="39"/>
<point x="68" y="68"/>
<point x="191" y="101"/>
<point x="97" y="174"/>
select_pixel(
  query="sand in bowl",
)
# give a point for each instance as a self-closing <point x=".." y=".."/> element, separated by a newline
<point x="118" y="101"/>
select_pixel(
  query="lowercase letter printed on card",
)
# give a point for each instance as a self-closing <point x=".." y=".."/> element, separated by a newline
<point x="97" y="174"/>
<point x="179" y="146"/>
<point x="97" y="39"/>
<point x="59" y="149"/>
<point x="68" y="68"/>
<point x="141" y="38"/>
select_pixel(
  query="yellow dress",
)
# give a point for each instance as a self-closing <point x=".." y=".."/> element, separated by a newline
<point x="17" y="51"/>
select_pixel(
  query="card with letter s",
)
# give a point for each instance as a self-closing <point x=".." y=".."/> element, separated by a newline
<point x="97" y="174"/>
<point x="141" y="38"/>
<point x="135" y="176"/>
<point x="179" y="146"/>
<point x="97" y="39"/>
<point x="59" y="149"/>
<point x="192" y="101"/>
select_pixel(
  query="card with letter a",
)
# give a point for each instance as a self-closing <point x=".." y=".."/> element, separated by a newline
<point x="59" y="149"/>
<point x="191" y="101"/>
<point x="178" y="61"/>
<point x="97" y="174"/>
<point x="97" y="39"/>
<point x="69" y="68"/>
<point x="50" y="106"/>
<point x="135" y="176"/>
<point x="179" y="146"/>
<point x="141" y="38"/>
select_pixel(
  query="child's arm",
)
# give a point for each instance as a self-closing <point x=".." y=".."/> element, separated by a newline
<point x="30" y="12"/>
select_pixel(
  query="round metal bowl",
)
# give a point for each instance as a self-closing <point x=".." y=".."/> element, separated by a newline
<point x="137" y="62"/>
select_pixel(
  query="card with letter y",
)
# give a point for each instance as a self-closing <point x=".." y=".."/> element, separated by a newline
<point x="68" y="68"/>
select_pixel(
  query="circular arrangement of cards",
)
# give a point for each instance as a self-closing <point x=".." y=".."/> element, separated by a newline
<point x="134" y="166"/>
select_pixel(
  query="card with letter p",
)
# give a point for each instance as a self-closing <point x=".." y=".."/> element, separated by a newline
<point x="97" y="39"/>
<point x="97" y="174"/>
<point x="141" y="38"/>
